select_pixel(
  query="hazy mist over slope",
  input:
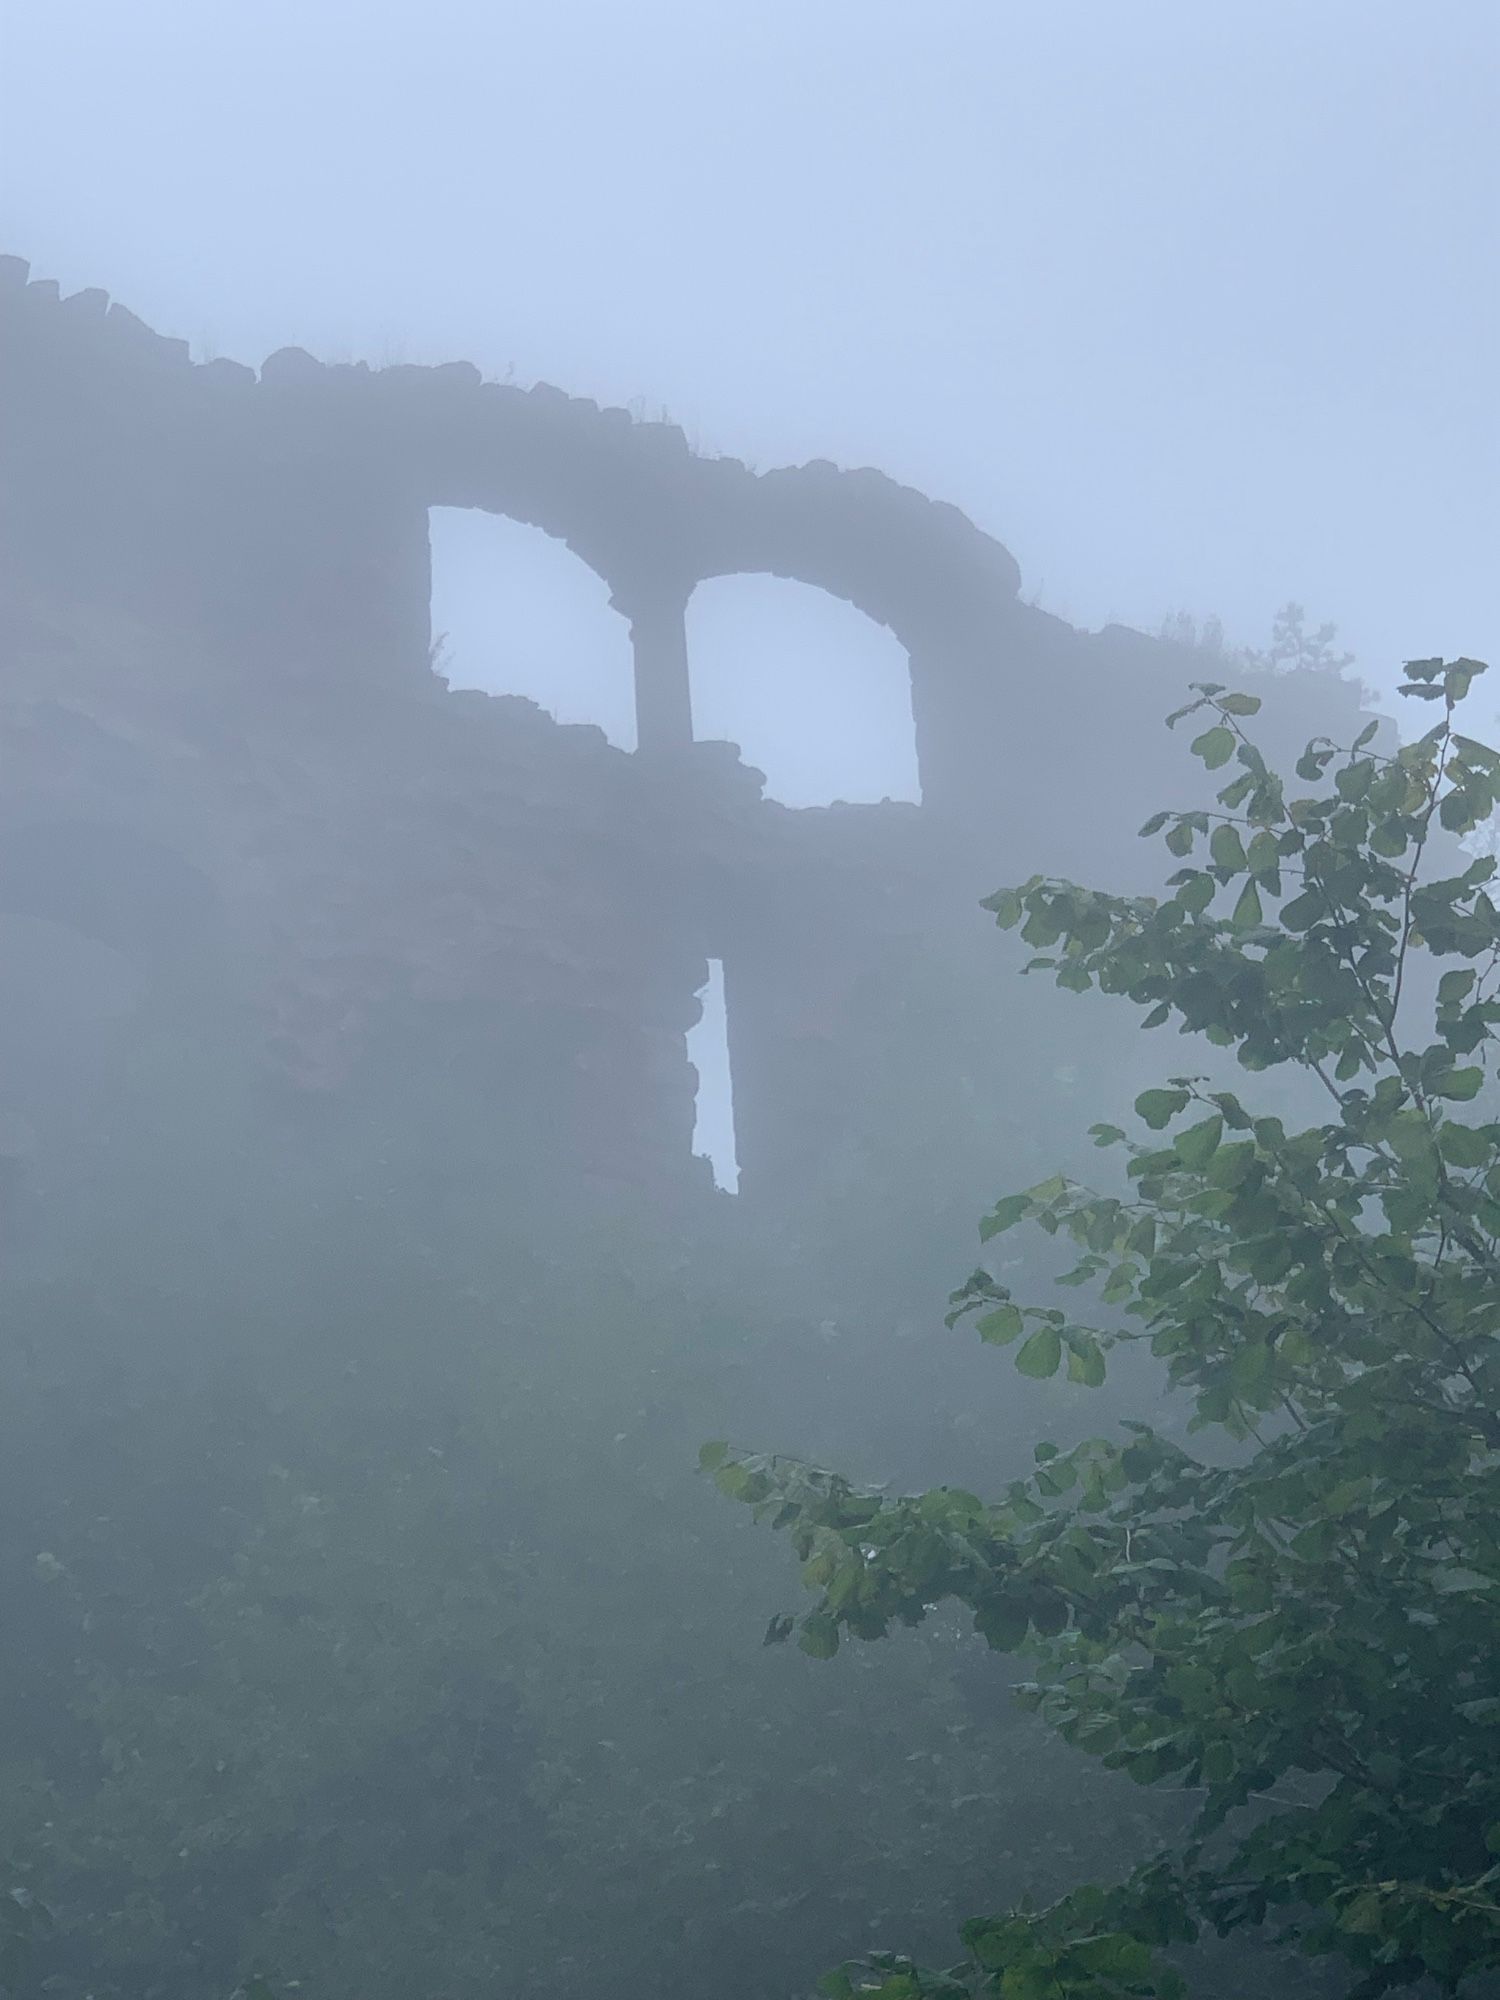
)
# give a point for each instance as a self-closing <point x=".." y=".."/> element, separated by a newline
<point x="503" y="1054"/>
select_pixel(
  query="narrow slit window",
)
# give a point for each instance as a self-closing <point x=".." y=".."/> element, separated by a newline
<point x="708" y="1051"/>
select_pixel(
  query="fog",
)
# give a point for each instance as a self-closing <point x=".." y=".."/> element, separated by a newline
<point x="1189" y="306"/>
<point x="581" y="543"/>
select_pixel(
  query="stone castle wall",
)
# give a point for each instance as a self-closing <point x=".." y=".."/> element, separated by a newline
<point x="231" y="766"/>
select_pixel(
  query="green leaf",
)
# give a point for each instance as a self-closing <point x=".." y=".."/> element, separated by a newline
<point x="1456" y="811"/>
<point x="1007" y="908"/>
<point x="1464" y="1146"/>
<point x="1247" y="911"/>
<point x="1250" y="1368"/>
<point x="1215" y="746"/>
<point x="1461" y="1084"/>
<point x="1196" y="893"/>
<point x="1460" y="676"/>
<point x="1004" y="1215"/>
<point x="1455" y="987"/>
<point x="819" y="1637"/>
<point x="1229" y="1165"/>
<point x="1159" y="1107"/>
<point x="1218" y="1763"/>
<point x="1364" y="1914"/>
<point x="1225" y="848"/>
<point x="1197" y="1145"/>
<point x="1002" y="1623"/>
<point x="1302" y="912"/>
<point x="1086" y="1362"/>
<point x="1001" y="1326"/>
<point x="1040" y="1355"/>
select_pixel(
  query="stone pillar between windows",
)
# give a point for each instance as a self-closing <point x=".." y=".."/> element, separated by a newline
<point x="663" y="692"/>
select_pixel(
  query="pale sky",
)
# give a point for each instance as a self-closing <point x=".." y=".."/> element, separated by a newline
<point x="1190" y="302"/>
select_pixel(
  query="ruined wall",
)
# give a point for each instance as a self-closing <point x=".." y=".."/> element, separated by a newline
<point x="442" y="913"/>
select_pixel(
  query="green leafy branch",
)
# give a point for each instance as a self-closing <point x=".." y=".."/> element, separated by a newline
<point x="1305" y="1637"/>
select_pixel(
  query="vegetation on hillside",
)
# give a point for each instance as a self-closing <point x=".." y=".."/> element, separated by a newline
<point x="368" y="1634"/>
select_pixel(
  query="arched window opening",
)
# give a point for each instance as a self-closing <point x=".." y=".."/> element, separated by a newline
<point x="515" y="612"/>
<point x="708" y="1051"/>
<point x="816" y="695"/>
